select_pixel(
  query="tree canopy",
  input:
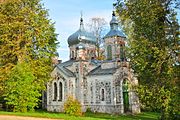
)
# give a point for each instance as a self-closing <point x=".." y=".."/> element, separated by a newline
<point x="153" y="33"/>
<point x="27" y="35"/>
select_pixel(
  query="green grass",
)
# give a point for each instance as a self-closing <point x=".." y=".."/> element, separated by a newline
<point x="87" y="116"/>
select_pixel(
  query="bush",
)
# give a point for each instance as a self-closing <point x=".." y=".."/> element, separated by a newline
<point x="72" y="107"/>
<point x="88" y="110"/>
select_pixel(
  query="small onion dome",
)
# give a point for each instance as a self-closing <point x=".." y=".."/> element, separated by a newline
<point x="114" y="19"/>
<point x="81" y="36"/>
<point x="80" y="46"/>
<point x="114" y="31"/>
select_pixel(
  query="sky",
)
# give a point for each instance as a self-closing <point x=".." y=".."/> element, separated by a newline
<point x="66" y="15"/>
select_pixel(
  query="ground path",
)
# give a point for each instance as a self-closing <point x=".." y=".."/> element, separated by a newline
<point x="10" y="117"/>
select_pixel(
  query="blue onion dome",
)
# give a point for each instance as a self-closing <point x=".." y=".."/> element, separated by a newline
<point x="114" y="19"/>
<point x="114" y="31"/>
<point x="81" y="35"/>
<point x="80" y="46"/>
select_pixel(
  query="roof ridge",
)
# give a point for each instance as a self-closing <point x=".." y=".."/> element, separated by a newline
<point x="94" y="69"/>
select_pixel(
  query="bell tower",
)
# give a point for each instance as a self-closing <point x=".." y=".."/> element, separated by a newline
<point x="115" y="41"/>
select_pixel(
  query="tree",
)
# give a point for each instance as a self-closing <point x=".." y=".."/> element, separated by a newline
<point x="153" y="33"/>
<point x="21" y="91"/>
<point x="97" y="27"/>
<point x="27" y="35"/>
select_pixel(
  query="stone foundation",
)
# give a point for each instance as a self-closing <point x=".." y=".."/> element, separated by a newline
<point x="55" y="108"/>
<point x="116" y="109"/>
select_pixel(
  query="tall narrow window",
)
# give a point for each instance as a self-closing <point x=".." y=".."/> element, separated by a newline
<point x="55" y="91"/>
<point x="109" y="52"/>
<point x="73" y="54"/>
<point x="102" y="95"/>
<point x="60" y="91"/>
<point x="121" y="53"/>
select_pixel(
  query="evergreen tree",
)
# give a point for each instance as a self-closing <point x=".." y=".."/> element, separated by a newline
<point x="153" y="33"/>
<point x="27" y="35"/>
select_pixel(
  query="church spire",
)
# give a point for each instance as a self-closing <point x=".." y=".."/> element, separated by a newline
<point x="81" y="22"/>
<point x="113" y="14"/>
<point x="114" y="22"/>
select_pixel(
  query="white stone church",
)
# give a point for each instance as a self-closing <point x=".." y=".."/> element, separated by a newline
<point x="102" y="86"/>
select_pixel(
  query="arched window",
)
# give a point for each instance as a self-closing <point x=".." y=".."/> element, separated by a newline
<point x="102" y="95"/>
<point x="125" y="85"/>
<point x="60" y="91"/>
<point x="55" y="91"/>
<point x="109" y="52"/>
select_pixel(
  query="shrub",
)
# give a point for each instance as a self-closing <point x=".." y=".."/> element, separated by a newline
<point x="88" y="110"/>
<point x="72" y="107"/>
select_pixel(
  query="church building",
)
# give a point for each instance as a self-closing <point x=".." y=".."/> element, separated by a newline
<point x="102" y="86"/>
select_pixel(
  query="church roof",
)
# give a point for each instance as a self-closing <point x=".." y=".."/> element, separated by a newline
<point x="95" y="62"/>
<point x="99" y="71"/>
<point x="66" y="71"/>
<point x="96" y="71"/>
<point x="80" y="46"/>
<point x="114" y="31"/>
<point x="81" y="35"/>
<point x="63" y="69"/>
<point x="67" y="63"/>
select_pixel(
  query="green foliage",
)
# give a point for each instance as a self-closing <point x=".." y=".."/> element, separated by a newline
<point x="21" y="91"/>
<point x="72" y="107"/>
<point x="154" y="98"/>
<point x="88" y="110"/>
<point x="26" y="35"/>
<point x="153" y="32"/>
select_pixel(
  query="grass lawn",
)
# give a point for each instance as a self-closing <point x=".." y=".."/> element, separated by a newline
<point x="87" y="116"/>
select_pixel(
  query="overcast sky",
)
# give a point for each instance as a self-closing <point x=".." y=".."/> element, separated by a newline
<point x="66" y="15"/>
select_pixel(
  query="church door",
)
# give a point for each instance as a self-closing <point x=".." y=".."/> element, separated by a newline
<point x="125" y="95"/>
